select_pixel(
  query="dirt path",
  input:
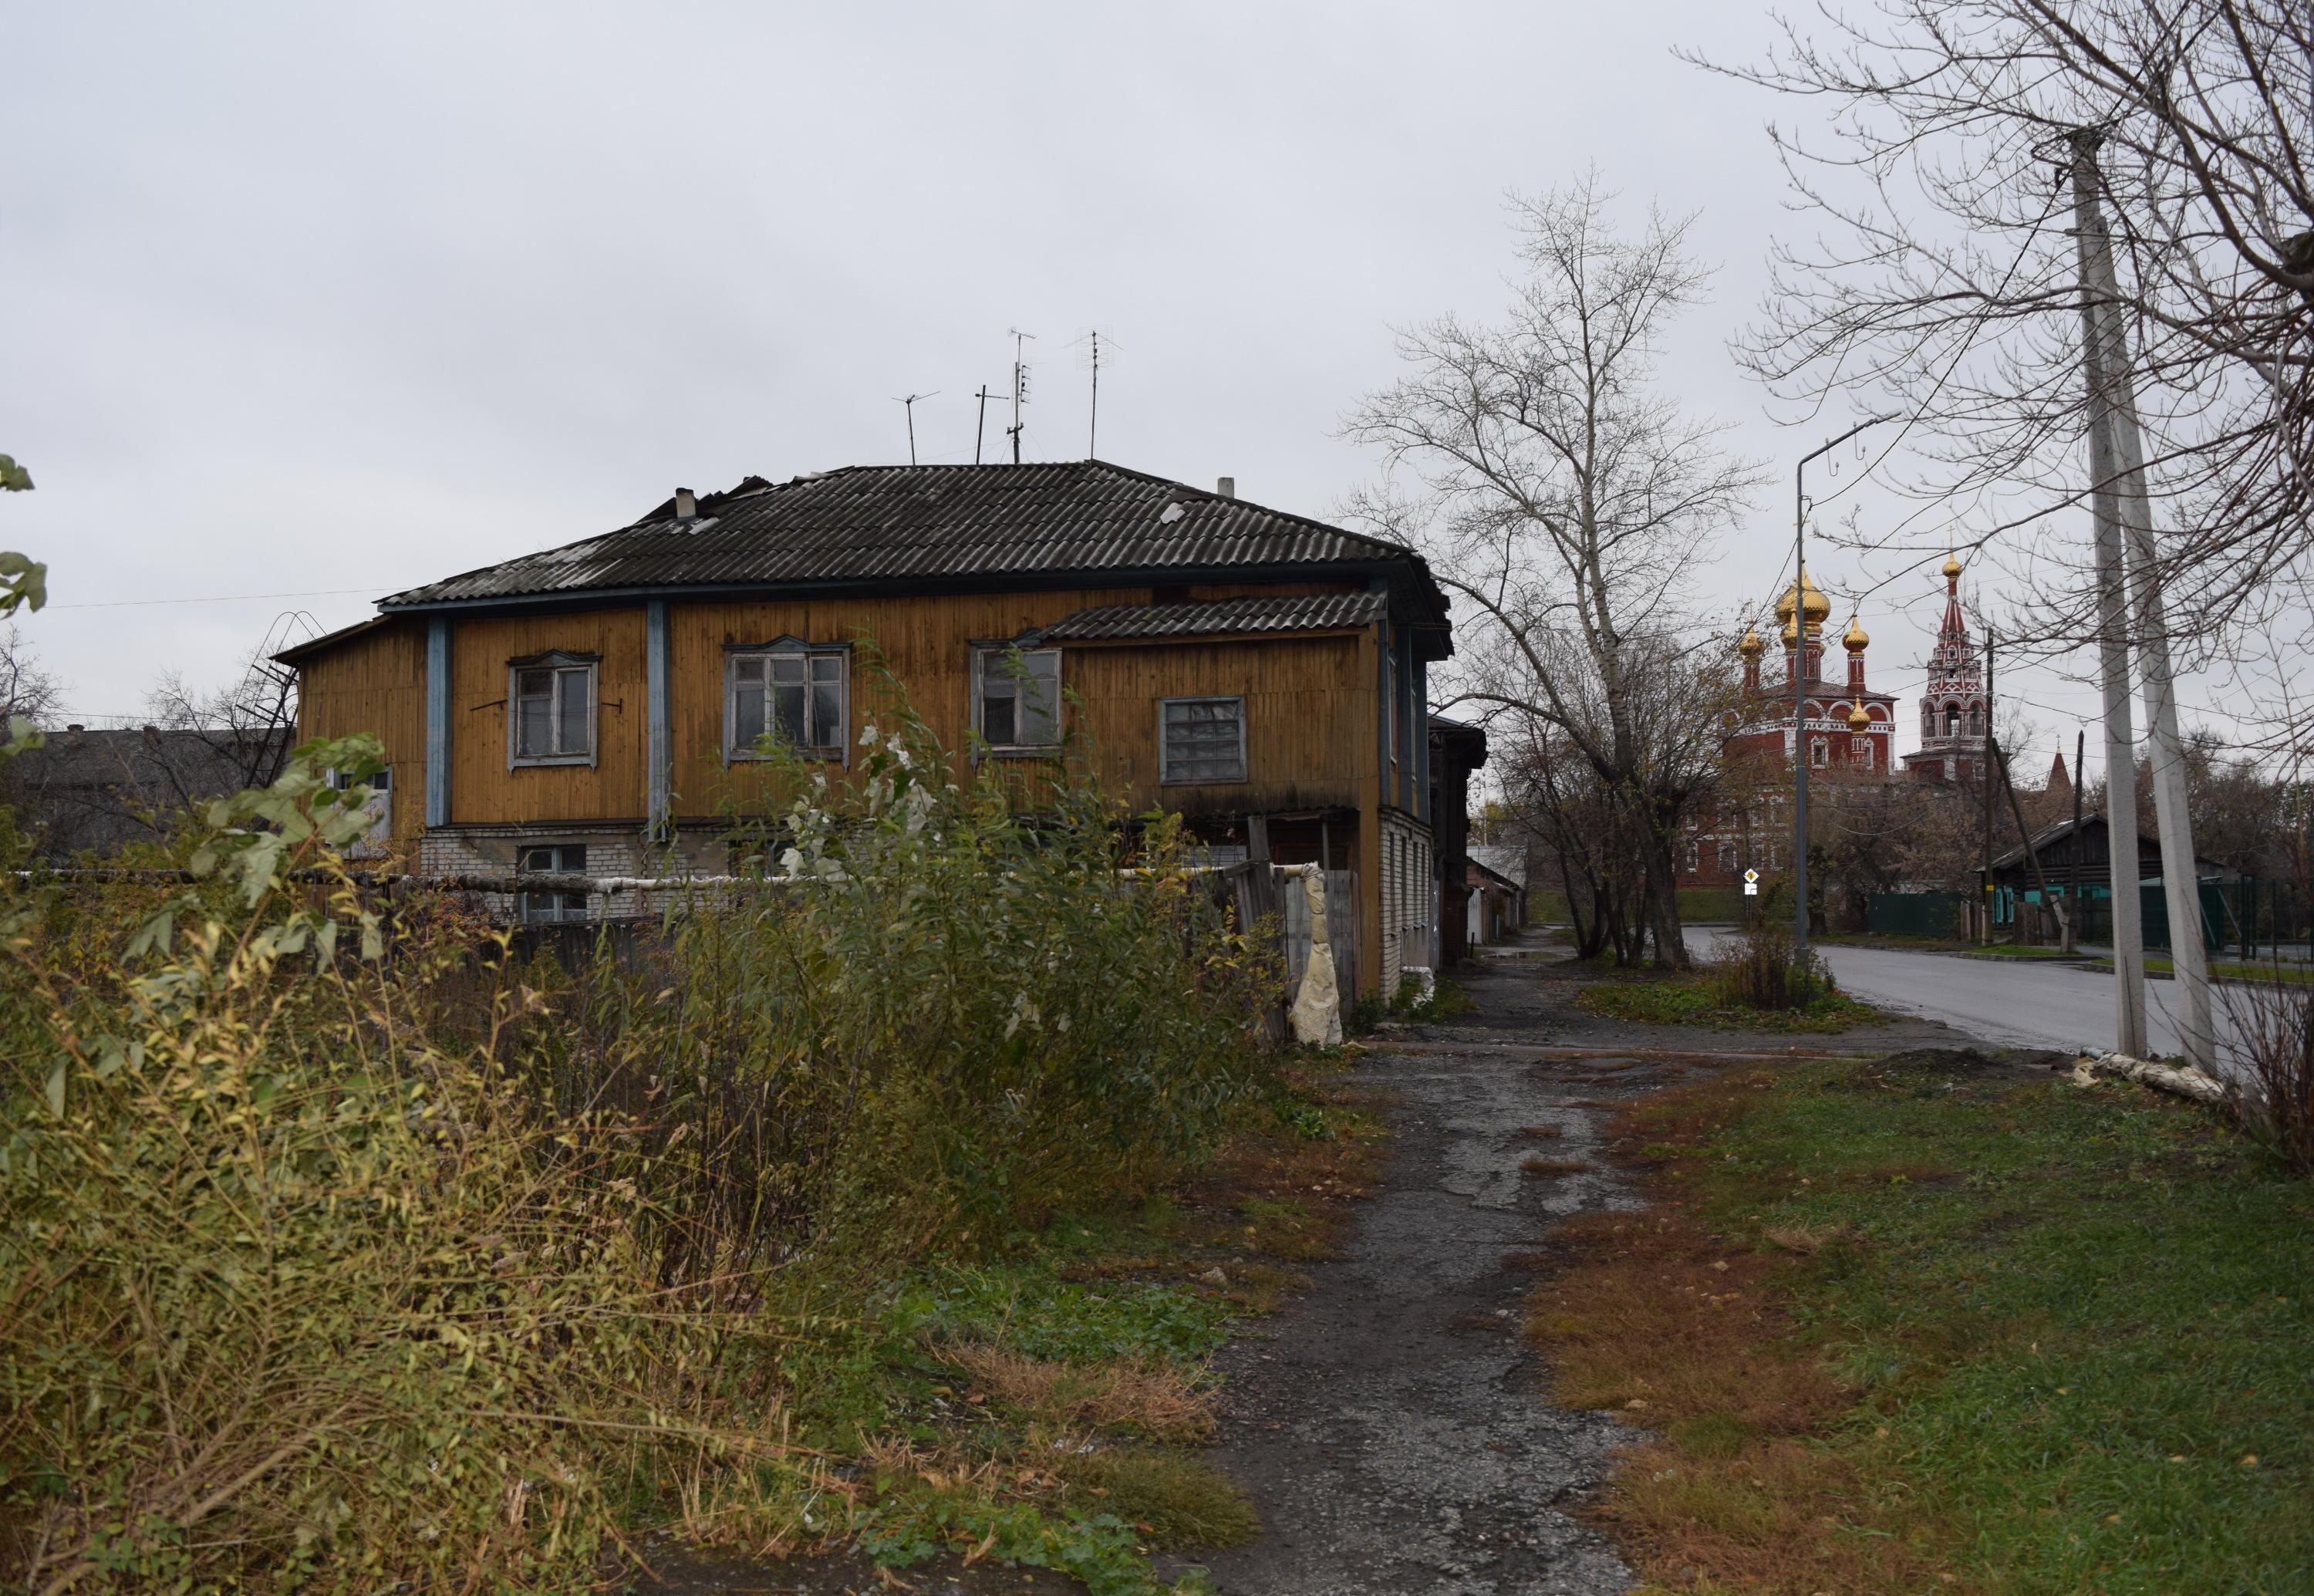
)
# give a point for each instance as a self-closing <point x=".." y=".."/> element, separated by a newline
<point x="1391" y="1424"/>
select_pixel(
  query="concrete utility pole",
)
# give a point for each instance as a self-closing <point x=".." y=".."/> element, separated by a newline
<point x="1800" y="684"/>
<point x="2074" y="879"/>
<point x="2113" y="413"/>
<point x="1984" y="773"/>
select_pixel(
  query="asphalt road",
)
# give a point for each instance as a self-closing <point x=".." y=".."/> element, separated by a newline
<point x="2014" y="1004"/>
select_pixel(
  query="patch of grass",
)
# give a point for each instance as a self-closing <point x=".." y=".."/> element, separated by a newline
<point x="2076" y="1366"/>
<point x="1139" y="1397"/>
<point x="1694" y="1000"/>
<point x="1174" y="1500"/>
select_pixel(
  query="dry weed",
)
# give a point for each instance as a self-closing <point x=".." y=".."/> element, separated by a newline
<point x="1544" y="1167"/>
<point x="1147" y="1399"/>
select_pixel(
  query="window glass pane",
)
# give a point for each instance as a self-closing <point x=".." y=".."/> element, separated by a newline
<point x="787" y="709"/>
<point x="747" y="711"/>
<point x="826" y="713"/>
<point x="575" y="713"/>
<point x="787" y="667"/>
<point x="1201" y="741"/>
<point x="999" y="723"/>
<point x="1040" y="697"/>
<point x="531" y="720"/>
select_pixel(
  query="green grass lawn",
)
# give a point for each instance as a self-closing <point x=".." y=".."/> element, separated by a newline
<point x="1693" y="1000"/>
<point x="2079" y="1319"/>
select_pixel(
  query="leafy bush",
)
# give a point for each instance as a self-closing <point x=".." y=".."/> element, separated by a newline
<point x="345" y="1250"/>
<point x="1760" y="969"/>
<point x="295" y="1287"/>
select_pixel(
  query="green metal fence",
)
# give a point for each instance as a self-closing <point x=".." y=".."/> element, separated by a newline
<point x="1935" y="915"/>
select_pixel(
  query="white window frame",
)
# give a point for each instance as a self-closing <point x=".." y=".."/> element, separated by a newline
<point x="1165" y="776"/>
<point x="985" y="654"/>
<point x="839" y="751"/>
<point x="552" y="908"/>
<point x="377" y="798"/>
<point x="1819" y="753"/>
<point x="564" y="666"/>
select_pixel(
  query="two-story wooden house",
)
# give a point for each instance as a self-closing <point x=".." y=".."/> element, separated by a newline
<point x="597" y="707"/>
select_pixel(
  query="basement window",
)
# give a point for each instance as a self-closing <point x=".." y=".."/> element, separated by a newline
<point x="551" y="908"/>
<point x="1015" y="698"/>
<point x="554" y="719"/>
<point x="1200" y="740"/>
<point x="794" y="696"/>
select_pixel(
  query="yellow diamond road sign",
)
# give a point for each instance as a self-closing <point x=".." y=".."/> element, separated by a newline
<point x="1750" y="875"/>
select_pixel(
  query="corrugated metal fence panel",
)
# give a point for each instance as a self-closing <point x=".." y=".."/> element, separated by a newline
<point x="1915" y="913"/>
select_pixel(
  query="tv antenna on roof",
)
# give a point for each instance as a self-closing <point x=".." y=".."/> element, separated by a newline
<point x="1094" y="347"/>
<point x="1019" y="385"/>
<point x="908" y="402"/>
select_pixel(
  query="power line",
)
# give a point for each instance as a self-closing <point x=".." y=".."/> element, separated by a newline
<point x="219" y="598"/>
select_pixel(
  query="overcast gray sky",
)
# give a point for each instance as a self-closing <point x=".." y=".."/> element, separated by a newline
<point x="332" y="300"/>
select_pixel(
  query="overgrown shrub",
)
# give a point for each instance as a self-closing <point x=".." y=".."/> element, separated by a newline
<point x="296" y="1291"/>
<point x="931" y="1015"/>
<point x="1758" y="967"/>
<point x="343" y="1251"/>
<point x="2269" y="1058"/>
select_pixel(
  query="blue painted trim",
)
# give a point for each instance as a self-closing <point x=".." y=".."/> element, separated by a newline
<point x="438" y="720"/>
<point x="659" y="707"/>
<point x="1421" y="673"/>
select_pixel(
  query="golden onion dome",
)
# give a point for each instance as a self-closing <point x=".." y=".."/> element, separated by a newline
<point x="1811" y="596"/>
<point x="1855" y="639"/>
<point x="1858" y="720"/>
<point x="1750" y="647"/>
<point x="1952" y="567"/>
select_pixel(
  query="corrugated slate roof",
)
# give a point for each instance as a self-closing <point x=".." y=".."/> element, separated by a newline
<point x="897" y="522"/>
<point x="1314" y="611"/>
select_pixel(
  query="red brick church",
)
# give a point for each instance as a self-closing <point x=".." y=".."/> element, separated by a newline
<point x="1843" y="728"/>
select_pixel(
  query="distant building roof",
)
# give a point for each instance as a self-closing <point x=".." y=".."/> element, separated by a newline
<point x="897" y="525"/>
<point x="1501" y="858"/>
<point x="82" y="789"/>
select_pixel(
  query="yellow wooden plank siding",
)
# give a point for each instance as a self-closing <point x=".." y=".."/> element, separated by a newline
<point x="1309" y="719"/>
<point x="482" y="788"/>
<point x="1300" y="684"/>
<point x="926" y="642"/>
<point x="1311" y="704"/>
<point x="375" y="684"/>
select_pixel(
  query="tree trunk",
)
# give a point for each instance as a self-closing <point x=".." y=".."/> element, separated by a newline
<point x="1661" y="905"/>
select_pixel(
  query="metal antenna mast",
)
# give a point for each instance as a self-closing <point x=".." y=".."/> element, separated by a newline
<point x="908" y="402"/>
<point x="1093" y="349"/>
<point x="1019" y="385"/>
<point x="980" y="427"/>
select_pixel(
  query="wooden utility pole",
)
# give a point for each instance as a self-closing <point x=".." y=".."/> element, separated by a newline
<point x="2032" y="853"/>
<point x="2112" y="618"/>
<point x="980" y="427"/>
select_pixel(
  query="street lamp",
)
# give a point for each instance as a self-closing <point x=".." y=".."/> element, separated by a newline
<point x="1800" y="683"/>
